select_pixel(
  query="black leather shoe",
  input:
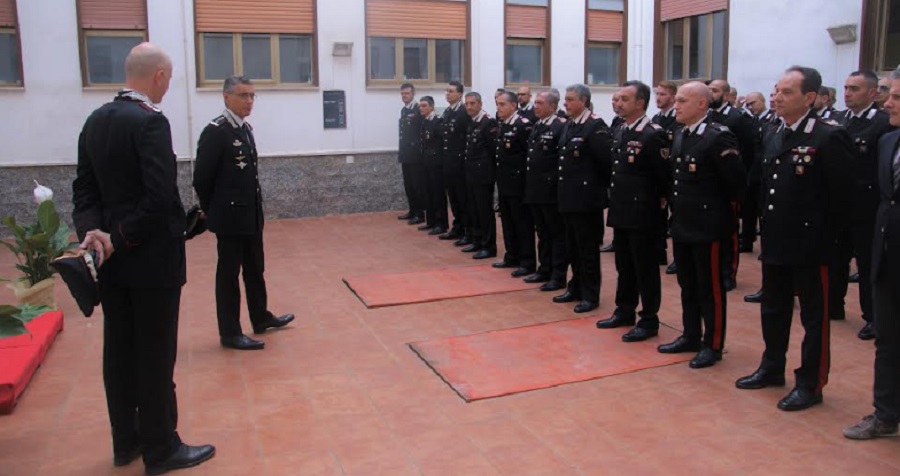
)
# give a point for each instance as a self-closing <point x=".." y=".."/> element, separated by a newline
<point x="537" y="278"/>
<point x="463" y="242"/>
<point x="799" y="399"/>
<point x="185" y="456"/>
<point x="438" y="230"/>
<point x="755" y="297"/>
<point x="124" y="458"/>
<point x="867" y="332"/>
<point x="519" y="272"/>
<point x="610" y="248"/>
<point x="672" y="269"/>
<point x="679" y="345"/>
<point x="503" y="264"/>
<point x="552" y="286"/>
<point x="616" y="320"/>
<point x="415" y="221"/>
<point x="405" y="216"/>
<point x="484" y="254"/>
<point x="241" y="342"/>
<point x="272" y="323"/>
<point x="760" y="379"/>
<point x="586" y="306"/>
<point x="567" y="296"/>
<point x="728" y="284"/>
<point x="705" y="358"/>
<point x="853" y="278"/>
<point x="450" y="236"/>
<point x="639" y="334"/>
<point x="471" y="248"/>
<point x="424" y="227"/>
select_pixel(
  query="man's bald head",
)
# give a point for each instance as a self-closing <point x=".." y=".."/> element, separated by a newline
<point x="691" y="102"/>
<point x="756" y="103"/>
<point x="524" y="96"/>
<point x="148" y="70"/>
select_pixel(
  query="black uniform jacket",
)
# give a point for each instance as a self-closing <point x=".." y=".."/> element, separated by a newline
<point x="226" y="179"/>
<point x="455" y="124"/>
<point x="743" y="126"/>
<point x="481" y="140"/>
<point x="584" y="165"/>
<point x="805" y="191"/>
<point x="708" y="175"/>
<point x="640" y="175"/>
<point x="887" y="219"/>
<point x="410" y="147"/>
<point x="865" y="131"/>
<point x="512" y="151"/>
<point x="667" y="121"/>
<point x="528" y="113"/>
<point x="542" y="163"/>
<point x="432" y="142"/>
<point x="126" y="185"/>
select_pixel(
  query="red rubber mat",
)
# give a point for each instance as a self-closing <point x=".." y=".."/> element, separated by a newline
<point x="20" y="356"/>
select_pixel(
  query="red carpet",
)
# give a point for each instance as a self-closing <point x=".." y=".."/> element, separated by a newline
<point x="497" y="363"/>
<point x="379" y="290"/>
<point x="20" y="356"/>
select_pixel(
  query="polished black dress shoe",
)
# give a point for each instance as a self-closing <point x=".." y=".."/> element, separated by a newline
<point x="799" y="399"/>
<point x="705" y="358"/>
<point x="415" y="221"/>
<point x="567" y="296"/>
<point x="755" y="297"/>
<point x="503" y="264"/>
<point x="484" y="254"/>
<point x="853" y="278"/>
<point x="272" y="323"/>
<point x="760" y="379"/>
<point x="867" y="332"/>
<point x="124" y="458"/>
<point x="519" y="272"/>
<point x="425" y="227"/>
<point x="462" y="242"/>
<point x="617" y="320"/>
<point x="537" y="278"/>
<point x="552" y="286"/>
<point x="185" y="456"/>
<point x="672" y="269"/>
<point x="438" y="230"/>
<point x="586" y="306"/>
<point x="610" y="248"/>
<point x="450" y="235"/>
<point x="242" y="342"/>
<point x="728" y="284"/>
<point x="405" y="216"/>
<point x="471" y="248"/>
<point x="679" y="345"/>
<point x="639" y="334"/>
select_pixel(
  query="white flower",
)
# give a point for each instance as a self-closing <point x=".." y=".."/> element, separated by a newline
<point x="42" y="193"/>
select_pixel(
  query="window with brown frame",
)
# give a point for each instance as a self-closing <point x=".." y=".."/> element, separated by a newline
<point x="693" y="38"/>
<point x="109" y="29"/>
<point x="527" y="46"/>
<point x="604" y="61"/>
<point x="10" y="57"/>
<point x="272" y="42"/>
<point x="417" y="41"/>
<point x="880" y="42"/>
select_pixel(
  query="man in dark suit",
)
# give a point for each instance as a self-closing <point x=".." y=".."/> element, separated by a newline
<point x="866" y="124"/>
<point x="515" y="216"/>
<point x="226" y="178"/>
<point x="640" y="183"/>
<point x="525" y="106"/>
<point x="128" y="211"/>
<point x="665" y="102"/>
<point x="432" y="158"/>
<point x="708" y="177"/>
<point x="541" y="178"/>
<point x="481" y="138"/>
<point x="584" y="171"/>
<point x="823" y="103"/>
<point x="806" y="162"/>
<point x="886" y="279"/>
<point x="455" y="123"/>
<point x="409" y="155"/>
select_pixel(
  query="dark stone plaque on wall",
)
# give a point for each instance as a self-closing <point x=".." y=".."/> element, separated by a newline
<point x="334" y="104"/>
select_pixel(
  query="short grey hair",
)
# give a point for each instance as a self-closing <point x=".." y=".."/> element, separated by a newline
<point x="231" y="82"/>
<point x="475" y="95"/>
<point x="583" y="92"/>
<point x="896" y="74"/>
<point x="551" y="96"/>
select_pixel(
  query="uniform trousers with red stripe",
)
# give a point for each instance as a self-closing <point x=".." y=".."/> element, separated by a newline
<point x="811" y="285"/>
<point x="731" y="256"/>
<point x="703" y="309"/>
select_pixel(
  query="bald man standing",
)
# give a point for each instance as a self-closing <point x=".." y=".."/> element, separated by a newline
<point x="128" y="211"/>
<point x="525" y="106"/>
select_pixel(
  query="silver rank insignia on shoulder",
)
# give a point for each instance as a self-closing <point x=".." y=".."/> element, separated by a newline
<point x="237" y="143"/>
<point x="809" y="126"/>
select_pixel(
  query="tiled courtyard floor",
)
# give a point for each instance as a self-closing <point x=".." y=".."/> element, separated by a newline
<point x="339" y="392"/>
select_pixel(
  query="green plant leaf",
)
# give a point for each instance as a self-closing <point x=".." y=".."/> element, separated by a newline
<point x="27" y="312"/>
<point x="60" y="243"/>
<point x="7" y="310"/>
<point x="10" y="326"/>
<point x="18" y="231"/>
<point x="47" y="217"/>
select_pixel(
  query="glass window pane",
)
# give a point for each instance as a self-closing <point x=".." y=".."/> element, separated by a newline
<point x="415" y="59"/>
<point x="218" y="56"/>
<point x="9" y="59"/>
<point x="382" y="58"/>
<point x="675" y="50"/>
<point x="698" y="47"/>
<point x="603" y="65"/>
<point x="448" y="60"/>
<point x="524" y="64"/>
<point x="611" y="5"/>
<point x="295" y="59"/>
<point x="891" y="41"/>
<point x="256" y="54"/>
<point x="106" y="57"/>
<point x="717" y="69"/>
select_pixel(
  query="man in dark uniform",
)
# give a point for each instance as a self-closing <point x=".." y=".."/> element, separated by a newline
<point x="226" y="179"/>
<point x="584" y="171"/>
<point x="886" y="279"/>
<point x="617" y="121"/>
<point x="432" y="158"/>
<point x="806" y="163"/>
<point x="526" y="108"/>
<point x="708" y="177"/>
<point x="515" y="216"/>
<point x="823" y="104"/>
<point x="454" y="125"/>
<point x="866" y="124"/>
<point x="665" y="102"/>
<point x="410" y="156"/>
<point x="481" y="138"/>
<point x="640" y="183"/>
<point x="541" y="177"/>
<point x="128" y="211"/>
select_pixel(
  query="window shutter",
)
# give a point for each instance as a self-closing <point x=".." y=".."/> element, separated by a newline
<point x="673" y="9"/>
<point x="526" y="21"/>
<point x="258" y="16"/>
<point x="112" y="14"/>
<point x="437" y="19"/>
<point x="7" y="13"/>
<point x="605" y="25"/>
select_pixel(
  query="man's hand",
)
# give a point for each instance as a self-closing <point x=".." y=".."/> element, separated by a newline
<point x="100" y="243"/>
<point x="662" y="203"/>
